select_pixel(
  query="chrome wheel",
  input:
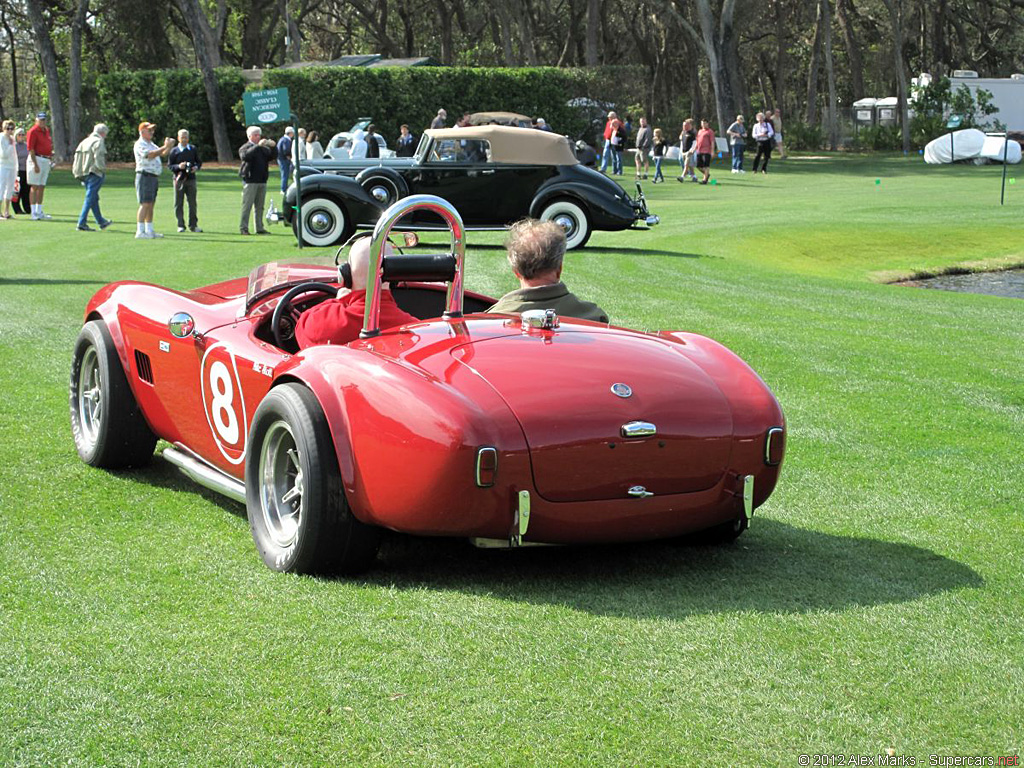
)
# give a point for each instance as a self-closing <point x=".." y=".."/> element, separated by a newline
<point x="319" y="223"/>
<point x="323" y="221"/>
<point x="567" y="223"/>
<point x="571" y="218"/>
<point x="281" y="484"/>
<point x="380" y="194"/>
<point x="90" y="396"/>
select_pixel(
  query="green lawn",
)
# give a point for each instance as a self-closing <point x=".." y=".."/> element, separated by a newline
<point x="876" y="601"/>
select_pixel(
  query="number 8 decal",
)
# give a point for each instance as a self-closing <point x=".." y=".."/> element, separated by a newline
<point x="223" y="402"/>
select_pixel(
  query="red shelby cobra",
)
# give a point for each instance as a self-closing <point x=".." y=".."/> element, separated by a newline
<point x="508" y="430"/>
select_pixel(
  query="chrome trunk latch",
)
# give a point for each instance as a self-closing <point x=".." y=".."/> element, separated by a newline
<point x="638" y="492"/>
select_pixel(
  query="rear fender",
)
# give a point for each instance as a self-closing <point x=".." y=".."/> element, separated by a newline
<point x="406" y="442"/>
<point x="755" y="408"/>
<point x="604" y="209"/>
<point x="382" y="171"/>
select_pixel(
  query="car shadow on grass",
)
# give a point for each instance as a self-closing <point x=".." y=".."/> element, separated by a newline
<point x="773" y="568"/>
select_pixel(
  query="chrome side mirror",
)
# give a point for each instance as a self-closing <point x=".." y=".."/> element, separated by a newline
<point x="181" y="325"/>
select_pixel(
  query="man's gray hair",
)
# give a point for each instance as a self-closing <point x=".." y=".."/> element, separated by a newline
<point x="535" y="247"/>
<point x="253" y="129"/>
<point x="100" y="129"/>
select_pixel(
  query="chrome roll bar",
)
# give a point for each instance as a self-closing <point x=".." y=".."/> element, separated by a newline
<point x="381" y="232"/>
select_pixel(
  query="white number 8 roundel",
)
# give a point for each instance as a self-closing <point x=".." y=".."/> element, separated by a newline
<point x="223" y="402"/>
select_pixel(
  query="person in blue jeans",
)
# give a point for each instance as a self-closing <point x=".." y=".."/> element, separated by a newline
<point x="737" y="134"/>
<point x="284" y="157"/>
<point x="608" y="153"/>
<point x="90" y="166"/>
<point x="659" y="155"/>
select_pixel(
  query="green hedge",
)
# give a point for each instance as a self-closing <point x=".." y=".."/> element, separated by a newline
<point x="171" y="98"/>
<point x="330" y="99"/>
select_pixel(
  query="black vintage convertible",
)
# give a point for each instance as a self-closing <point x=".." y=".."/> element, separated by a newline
<point x="494" y="175"/>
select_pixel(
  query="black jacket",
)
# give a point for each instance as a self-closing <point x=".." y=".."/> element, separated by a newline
<point x="255" y="162"/>
<point x="188" y="156"/>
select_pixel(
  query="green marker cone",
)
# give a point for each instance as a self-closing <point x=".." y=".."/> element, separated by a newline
<point x="1012" y="181"/>
<point x="877" y="182"/>
<point x="714" y="182"/>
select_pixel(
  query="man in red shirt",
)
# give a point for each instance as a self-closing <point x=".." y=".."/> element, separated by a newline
<point x="339" y="321"/>
<point x="608" y="153"/>
<point x="704" y="146"/>
<point x="40" y="154"/>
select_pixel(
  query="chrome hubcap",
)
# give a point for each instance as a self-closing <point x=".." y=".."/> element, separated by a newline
<point x="380" y="194"/>
<point x="566" y="222"/>
<point x="319" y="222"/>
<point x="90" y="401"/>
<point x="281" y="484"/>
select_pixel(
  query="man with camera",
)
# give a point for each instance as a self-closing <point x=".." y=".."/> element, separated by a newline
<point x="148" y="166"/>
<point x="184" y="162"/>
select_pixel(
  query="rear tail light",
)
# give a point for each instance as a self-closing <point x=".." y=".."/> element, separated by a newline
<point x="775" y="446"/>
<point x="486" y="466"/>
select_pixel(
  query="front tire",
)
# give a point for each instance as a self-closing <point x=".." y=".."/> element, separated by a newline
<point x="323" y="222"/>
<point x="572" y="218"/>
<point x="298" y="513"/>
<point x="106" y="421"/>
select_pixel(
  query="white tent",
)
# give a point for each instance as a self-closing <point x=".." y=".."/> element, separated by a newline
<point x="994" y="147"/>
<point x="967" y="144"/>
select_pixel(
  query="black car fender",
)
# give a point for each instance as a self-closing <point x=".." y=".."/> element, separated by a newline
<point x="605" y="209"/>
<point x="368" y="177"/>
<point x="344" y="190"/>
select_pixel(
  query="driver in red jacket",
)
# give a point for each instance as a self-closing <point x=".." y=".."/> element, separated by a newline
<point x="339" y="321"/>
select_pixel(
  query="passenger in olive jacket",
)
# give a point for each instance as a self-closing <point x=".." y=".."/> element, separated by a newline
<point x="535" y="251"/>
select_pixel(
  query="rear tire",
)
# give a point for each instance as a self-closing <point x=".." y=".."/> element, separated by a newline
<point x="572" y="218"/>
<point x="298" y="513"/>
<point x="726" y="533"/>
<point x="106" y="421"/>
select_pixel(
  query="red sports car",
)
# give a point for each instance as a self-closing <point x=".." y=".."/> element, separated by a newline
<point x="508" y="430"/>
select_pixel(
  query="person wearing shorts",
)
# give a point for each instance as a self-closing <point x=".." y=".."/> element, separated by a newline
<point x="148" y="166"/>
<point x="704" y="146"/>
<point x="40" y="155"/>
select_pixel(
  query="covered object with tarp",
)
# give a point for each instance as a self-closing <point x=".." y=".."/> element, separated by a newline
<point x="966" y="144"/>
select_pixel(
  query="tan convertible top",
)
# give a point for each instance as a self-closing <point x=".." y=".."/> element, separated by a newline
<point x="515" y="145"/>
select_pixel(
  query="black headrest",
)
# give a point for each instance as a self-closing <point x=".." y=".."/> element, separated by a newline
<point x="430" y="268"/>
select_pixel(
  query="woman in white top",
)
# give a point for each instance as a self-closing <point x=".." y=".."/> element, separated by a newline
<point x="8" y="168"/>
<point x="314" y="150"/>
<point x="358" y="145"/>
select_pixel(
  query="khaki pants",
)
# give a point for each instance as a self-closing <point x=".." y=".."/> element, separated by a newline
<point x="253" y="195"/>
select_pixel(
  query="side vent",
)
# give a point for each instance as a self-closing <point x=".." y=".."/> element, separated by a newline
<point x="143" y="367"/>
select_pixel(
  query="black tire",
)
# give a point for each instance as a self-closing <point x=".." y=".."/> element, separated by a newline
<point x="106" y="422"/>
<point x="325" y="221"/>
<point x="291" y="453"/>
<point x="573" y="218"/>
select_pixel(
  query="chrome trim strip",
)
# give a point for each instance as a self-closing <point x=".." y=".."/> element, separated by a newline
<point x="479" y="457"/>
<point x="206" y="475"/>
<point x="638" y="429"/>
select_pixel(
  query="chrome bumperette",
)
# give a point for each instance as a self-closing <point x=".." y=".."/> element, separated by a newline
<point x="652" y="220"/>
<point x="638" y="429"/>
<point x="521" y="520"/>
<point x="748" y="497"/>
<point x="381" y="232"/>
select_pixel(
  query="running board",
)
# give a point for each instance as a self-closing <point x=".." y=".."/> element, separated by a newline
<point x="205" y="475"/>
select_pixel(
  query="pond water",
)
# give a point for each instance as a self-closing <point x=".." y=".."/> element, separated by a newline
<point x="1009" y="282"/>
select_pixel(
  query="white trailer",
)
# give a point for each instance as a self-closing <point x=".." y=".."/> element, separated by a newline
<point x="1007" y="95"/>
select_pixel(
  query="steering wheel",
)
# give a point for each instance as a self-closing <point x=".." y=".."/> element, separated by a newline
<point x="284" y="307"/>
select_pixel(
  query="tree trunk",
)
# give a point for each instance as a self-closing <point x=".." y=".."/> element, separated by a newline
<point x="293" y="47"/>
<point x="895" y="8"/>
<point x="833" y="118"/>
<point x="48" y="58"/>
<point x="717" y="36"/>
<point x="527" y="46"/>
<point x="14" y="58"/>
<point x="812" y="71"/>
<point x="208" y="56"/>
<point x="593" y="27"/>
<point x="75" y="77"/>
<point x="781" y="38"/>
<point x="853" y="52"/>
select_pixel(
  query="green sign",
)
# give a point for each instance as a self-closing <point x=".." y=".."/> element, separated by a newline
<point x="264" y="107"/>
<point x="954" y="121"/>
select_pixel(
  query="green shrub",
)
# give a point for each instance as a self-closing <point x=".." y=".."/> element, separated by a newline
<point x="171" y="98"/>
<point x="799" y="135"/>
<point x="879" y="137"/>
